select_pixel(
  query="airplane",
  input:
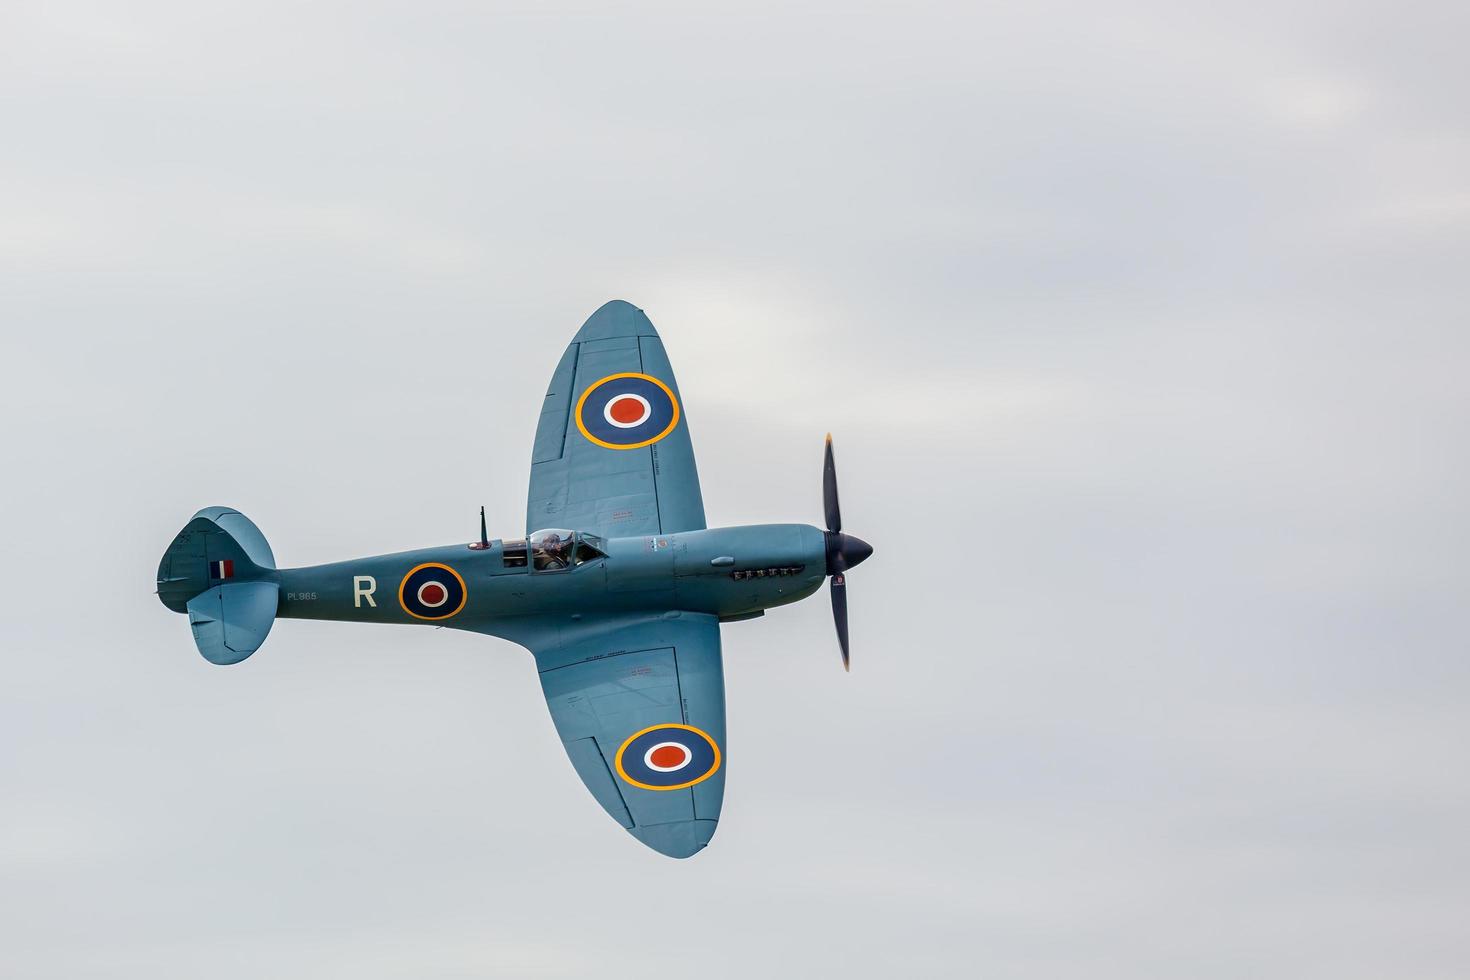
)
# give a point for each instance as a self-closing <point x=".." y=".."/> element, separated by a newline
<point x="618" y="589"/>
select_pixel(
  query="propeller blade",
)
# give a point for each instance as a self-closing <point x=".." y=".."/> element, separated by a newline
<point x="829" y="490"/>
<point x="838" y="585"/>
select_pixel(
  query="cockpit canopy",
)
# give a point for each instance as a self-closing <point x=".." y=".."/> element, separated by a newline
<point x="554" y="549"/>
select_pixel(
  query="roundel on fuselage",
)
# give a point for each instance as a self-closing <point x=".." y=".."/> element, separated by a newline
<point x="432" y="591"/>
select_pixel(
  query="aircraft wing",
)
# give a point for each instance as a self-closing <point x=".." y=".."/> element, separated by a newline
<point x="612" y="453"/>
<point x="639" y="703"/>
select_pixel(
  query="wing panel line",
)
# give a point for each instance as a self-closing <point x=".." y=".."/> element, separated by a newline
<point x="566" y="419"/>
<point x="613" y="779"/>
<point x="653" y="455"/>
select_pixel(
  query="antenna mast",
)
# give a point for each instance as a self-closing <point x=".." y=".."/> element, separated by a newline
<point x="484" y="542"/>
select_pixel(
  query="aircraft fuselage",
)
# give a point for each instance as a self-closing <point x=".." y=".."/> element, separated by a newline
<point x="728" y="572"/>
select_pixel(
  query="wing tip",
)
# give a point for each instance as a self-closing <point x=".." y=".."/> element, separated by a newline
<point x="615" y="318"/>
<point x="676" y="840"/>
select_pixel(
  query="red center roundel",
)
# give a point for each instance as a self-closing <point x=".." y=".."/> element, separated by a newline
<point x="668" y="756"/>
<point x="626" y="410"/>
<point x="432" y="591"/>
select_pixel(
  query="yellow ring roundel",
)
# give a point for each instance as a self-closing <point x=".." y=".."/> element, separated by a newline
<point x="669" y="756"/>
<point x="432" y="591"/>
<point x="626" y="411"/>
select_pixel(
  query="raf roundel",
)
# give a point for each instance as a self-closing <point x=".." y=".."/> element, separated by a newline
<point x="667" y="757"/>
<point x="627" y="411"/>
<point x="432" y="591"/>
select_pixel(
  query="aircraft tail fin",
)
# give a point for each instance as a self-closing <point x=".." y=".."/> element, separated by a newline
<point x="220" y="570"/>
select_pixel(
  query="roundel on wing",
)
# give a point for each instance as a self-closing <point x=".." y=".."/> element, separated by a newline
<point x="432" y="591"/>
<point x="667" y="757"/>
<point x="627" y="411"/>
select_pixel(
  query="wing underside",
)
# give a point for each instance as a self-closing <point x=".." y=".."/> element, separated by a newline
<point x="612" y="452"/>
<point x="639" y="704"/>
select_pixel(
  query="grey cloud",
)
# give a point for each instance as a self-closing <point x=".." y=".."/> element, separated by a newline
<point x="1140" y="330"/>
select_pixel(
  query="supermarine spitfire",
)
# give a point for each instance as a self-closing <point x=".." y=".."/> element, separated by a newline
<point x="618" y="588"/>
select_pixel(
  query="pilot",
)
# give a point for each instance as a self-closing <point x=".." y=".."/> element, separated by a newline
<point x="554" y="551"/>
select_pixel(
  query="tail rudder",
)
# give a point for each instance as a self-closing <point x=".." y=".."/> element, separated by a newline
<point x="220" y="570"/>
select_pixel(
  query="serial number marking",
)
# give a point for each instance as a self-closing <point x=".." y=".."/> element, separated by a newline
<point x="300" y="596"/>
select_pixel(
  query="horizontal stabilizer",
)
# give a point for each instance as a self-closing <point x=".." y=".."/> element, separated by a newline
<point x="230" y="622"/>
<point x="219" y="545"/>
<point x="220" y="570"/>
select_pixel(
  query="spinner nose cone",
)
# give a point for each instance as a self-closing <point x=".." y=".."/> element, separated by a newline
<point x="855" y="550"/>
<point x="845" y="551"/>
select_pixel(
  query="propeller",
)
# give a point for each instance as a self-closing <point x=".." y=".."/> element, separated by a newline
<point x="843" y="551"/>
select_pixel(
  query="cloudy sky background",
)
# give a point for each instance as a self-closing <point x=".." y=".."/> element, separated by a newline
<point x="1141" y="331"/>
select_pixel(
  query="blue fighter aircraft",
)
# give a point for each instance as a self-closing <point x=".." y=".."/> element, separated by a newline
<point x="618" y="589"/>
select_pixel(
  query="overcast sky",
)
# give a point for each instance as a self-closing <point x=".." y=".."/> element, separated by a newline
<point x="1141" y="330"/>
